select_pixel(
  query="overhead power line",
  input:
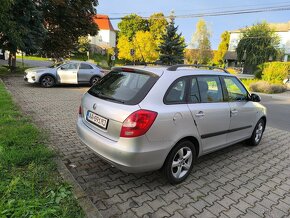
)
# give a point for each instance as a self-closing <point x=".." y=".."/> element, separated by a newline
<point x="222" y="13"/>
<point x="201" y="10"/>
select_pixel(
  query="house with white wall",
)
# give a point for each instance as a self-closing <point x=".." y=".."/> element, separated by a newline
<point x="281" y="29"/>
<point x="106" y="37"/>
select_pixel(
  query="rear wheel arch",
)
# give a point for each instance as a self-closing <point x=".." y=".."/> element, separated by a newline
<point x="179" y="163"/>
<point x="194" y="141"/>
<point x="188" y="138"/>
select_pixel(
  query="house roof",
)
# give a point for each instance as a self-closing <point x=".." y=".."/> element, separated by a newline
<point x="103" y="22"/>
<point x="278" y="27"/>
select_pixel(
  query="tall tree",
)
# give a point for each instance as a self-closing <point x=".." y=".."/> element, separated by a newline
<point x="130" y="24"/>
<point x="145" y="47"/>
<point x="5" y="5"/>
<point x="124" y="46"/>
<point x="66" y="21"/>
<point x="157" y="25"/>
<point x="142" y="35"/>
<point x="172" y="46"/>
<point x="201" y="42"/>
<point x="22" y="28"/>
<point x="218" y="58"/>
<point x="258" y="44"/>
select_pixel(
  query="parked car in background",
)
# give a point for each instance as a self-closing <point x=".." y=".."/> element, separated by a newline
<point x="73" y="72"/>
<point x="143" y="119"/>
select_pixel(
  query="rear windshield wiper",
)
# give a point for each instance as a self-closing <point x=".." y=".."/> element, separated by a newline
<point x="101" y="95"/>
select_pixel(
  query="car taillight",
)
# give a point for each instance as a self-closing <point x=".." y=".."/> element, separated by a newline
<point x="80" y="111"/>
<point x="138" y="123"/>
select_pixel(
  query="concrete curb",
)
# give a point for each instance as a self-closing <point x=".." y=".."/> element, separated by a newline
<point x="89" y="208"/>
<point x="86" y="204"/>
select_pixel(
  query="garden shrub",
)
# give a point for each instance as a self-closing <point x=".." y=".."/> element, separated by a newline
<point x="266" y="87"/>
<point x="274" y="72"/>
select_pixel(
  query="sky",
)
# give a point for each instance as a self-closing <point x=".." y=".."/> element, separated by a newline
<point x="186" y="26"/>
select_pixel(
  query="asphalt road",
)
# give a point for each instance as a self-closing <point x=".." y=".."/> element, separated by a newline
<point x="278" y="108"/>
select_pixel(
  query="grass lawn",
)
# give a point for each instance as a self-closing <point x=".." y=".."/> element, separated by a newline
<point x="31" y="58"/>
<point x="5" y="71"/>
<point x="30" y="185"/>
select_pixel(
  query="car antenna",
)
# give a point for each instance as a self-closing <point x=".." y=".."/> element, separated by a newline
<point x="140" y="52"/>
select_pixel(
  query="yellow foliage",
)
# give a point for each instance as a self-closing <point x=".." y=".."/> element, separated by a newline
<point x="124" y="46"/>
<point x="144" y="45"/>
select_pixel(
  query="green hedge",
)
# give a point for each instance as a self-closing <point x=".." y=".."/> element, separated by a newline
<point x="274" y="72"/>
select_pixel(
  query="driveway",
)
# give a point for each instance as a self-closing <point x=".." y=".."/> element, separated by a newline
<point x="239" y="181"/>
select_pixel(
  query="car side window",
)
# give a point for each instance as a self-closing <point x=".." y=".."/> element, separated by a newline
<point x="236" y="91"/>
<point x="194" y="96"/>
<point x="69" y="66"/>
<point x="86" y="67"/>
<point x="210" y="89"/>
<point x="176" y="92"/>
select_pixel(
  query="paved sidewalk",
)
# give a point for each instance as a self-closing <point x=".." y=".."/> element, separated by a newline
<point x="239" y="181"/>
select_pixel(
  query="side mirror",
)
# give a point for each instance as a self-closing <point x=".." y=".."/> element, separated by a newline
<point x="255" y="98"/>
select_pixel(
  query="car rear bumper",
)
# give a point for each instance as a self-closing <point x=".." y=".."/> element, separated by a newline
<point x="129" y="155"/>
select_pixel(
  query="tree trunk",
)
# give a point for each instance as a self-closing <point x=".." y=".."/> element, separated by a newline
<point x="9" y="59"/>
<point x="14" y="60"/>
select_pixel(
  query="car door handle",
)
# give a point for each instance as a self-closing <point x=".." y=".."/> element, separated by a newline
<point x="234" y="112"/>
<point x="200" y="114"/>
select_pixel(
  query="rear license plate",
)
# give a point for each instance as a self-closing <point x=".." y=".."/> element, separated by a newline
<point x="97" y="120"/>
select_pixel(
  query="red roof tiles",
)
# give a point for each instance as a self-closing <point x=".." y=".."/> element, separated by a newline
<point x="103" y="22"/>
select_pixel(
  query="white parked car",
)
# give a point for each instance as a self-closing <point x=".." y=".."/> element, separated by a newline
<point x="73" y="72"/>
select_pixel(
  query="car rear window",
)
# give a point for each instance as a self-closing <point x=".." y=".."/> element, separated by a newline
<point x="124" y="87"/>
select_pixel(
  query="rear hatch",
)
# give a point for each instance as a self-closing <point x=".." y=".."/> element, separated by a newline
<point x="113" y="98"/>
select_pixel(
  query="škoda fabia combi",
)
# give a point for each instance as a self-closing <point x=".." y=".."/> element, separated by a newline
<point x="144" y="118"/>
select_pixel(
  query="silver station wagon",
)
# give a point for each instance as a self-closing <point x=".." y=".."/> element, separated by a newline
<point x="73" y="72"/>
<point x="143" y="118"/>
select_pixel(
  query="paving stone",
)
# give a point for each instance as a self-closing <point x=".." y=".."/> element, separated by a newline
<point x="242" y="206"/>
<point x="216" y="208"/>
<point x="171" y="208"/>
<point x="143" y="210"/>
<point x="157" y="203"/>
<point x="200" y="205"/>
<point x="205" y="213"/>
<point x="226" y="202"/>
<point x="233" y="212"/>
<point x="259" y="209"/>
<point x="188" y="211"/>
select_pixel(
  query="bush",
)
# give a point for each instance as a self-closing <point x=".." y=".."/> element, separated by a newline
<point x="266" y="87"/>
<point x="274" y="72"/>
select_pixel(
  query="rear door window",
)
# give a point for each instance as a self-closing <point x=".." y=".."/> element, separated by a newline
<point x="210" y="89"/>
<point x="85" y="66"/>
<point x="124" y="87"/>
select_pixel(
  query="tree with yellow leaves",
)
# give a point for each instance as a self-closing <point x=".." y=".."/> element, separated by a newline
<point x="145" y="47"/>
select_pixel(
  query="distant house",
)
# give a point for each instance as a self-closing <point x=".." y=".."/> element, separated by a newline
<point x="106" y="37"/>
<point x="283" y="31"/>
<point x="4" y="54"/>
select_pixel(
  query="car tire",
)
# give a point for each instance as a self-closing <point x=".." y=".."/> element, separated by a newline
<point x="179" y="162"/>
<point x="94" y="79"/>
<point x="257" y="133"/>
<point x="47" y="81"/>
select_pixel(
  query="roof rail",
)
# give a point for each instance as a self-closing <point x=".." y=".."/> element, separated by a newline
<point x="175" y="67"/>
